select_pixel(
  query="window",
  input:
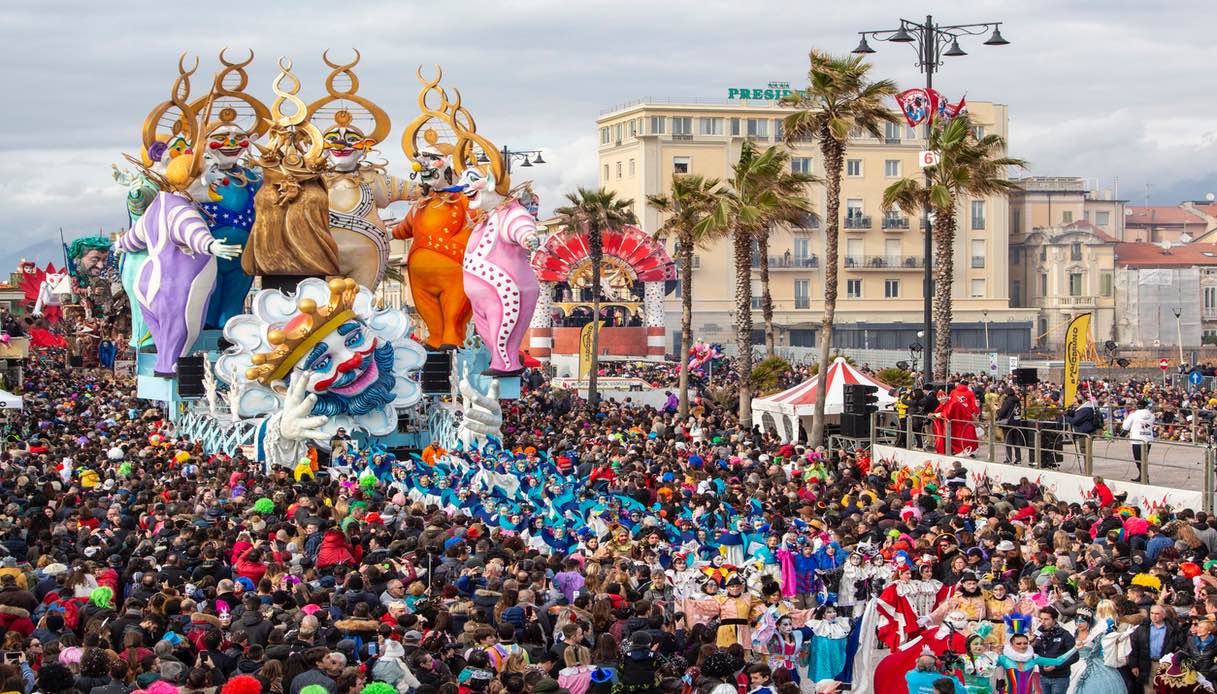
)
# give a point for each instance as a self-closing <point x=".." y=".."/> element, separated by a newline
<point x="891" y="133"/>
<point x="802" y="294"/>
<point x="1105" y="285"/>
<point x="1016" y="294"/>
<point x="802" y="249"/>
<point x="1102" y="218"/>
<point x="800" y="165"/>
<point x="1075" y="284"/>
<point x="891" y="251"/>
<point x="605" y="136"/>
<point x="617" y="129"/>
<point x="977" y="290"/>
<point x="680" y="165"/>
<point x="1016" y="254"/>
<point x="1067" y="216"/>
<point x="634" y="128"/>
<point x="1043" y="284"/>
<point x="1210" y="299"/>
<point x="606" y="175"/>
<point x="891" y="289"/>
<point x="735" y="127"/>
<point x="618" y="170"/>
<point x="853" y="289"/>
<point x="1075" y="251"/>
<point x="779" y="129"/>
<point x="978" y="131"/>
<point x="1043" y="253"/>
<point x="757" y="295"/>
<point x="710" y="126"/>
<point x="853" y="167"/>
<point x="657" y="125"/>
<point x="682" y="127"/>
<point x="978" y="214"/>
<point x="854" y="249"/>
<point x="631" y="168"/>
<point x="910" y="133"/>
<point x="891" y="168"/>
<point x="978" y="253"/>
<point x="758" y="128"/>
<point x="853" y="209"/>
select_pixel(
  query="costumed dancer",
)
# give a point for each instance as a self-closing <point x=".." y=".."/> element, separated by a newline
<point x="1018" y="662"/>
<point x="998" y="605"/>
<point x="960" y="409"/>
<point x="897" y="618"/>
<point x="1178" y="676"/>
<point x="889" y="674"/>
<point x="979" y="666"/>
<point x="785" y="649"/>
<point x="829" y="634"/>
<point x="851" y="589"/>
<point x="1101" y="648"/>
<point x="735" y="611"/>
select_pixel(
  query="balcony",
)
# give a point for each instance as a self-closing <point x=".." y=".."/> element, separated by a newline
<point x="1210" y="313"/>
<point x="682" y="136"/>
<point x="895" y="223"/>
<point x="978" y="261"/>
<point x="891" y="140"/>
<point x="858" y="222"/>
<point x="758" y="138"/>
<point x="783" y="262"/>
<point x="884" y="262"/>
<point x="1066" y="301"/>
<point x="802" y="303"/>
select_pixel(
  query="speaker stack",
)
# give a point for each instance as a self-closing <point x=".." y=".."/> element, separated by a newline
<point x="190" y="376"/>
<point x="437" y="373"/>
<point x="1026" y="377"/>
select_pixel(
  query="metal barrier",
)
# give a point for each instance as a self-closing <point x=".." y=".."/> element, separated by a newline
<point x="1049" y="444"/>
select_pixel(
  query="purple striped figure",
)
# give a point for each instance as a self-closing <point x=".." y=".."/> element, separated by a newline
<point x="175" y="283"/>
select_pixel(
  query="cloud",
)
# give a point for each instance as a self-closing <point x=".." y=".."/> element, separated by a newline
<point x="1100" y="89"/>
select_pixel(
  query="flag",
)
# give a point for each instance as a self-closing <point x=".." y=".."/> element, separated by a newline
<point x="918" y="105"/>
<point x="585" y="350"/>
<point x="1077" y="336"/>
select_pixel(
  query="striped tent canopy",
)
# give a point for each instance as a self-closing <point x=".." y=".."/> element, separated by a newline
<point x="782" y="411"/>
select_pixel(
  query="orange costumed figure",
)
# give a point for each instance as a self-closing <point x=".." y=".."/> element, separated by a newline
<point x="439" y="225"/>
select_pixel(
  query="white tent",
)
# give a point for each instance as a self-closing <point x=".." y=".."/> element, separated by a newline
<point x="8" y="401"/>
<point x="783" y="412"/>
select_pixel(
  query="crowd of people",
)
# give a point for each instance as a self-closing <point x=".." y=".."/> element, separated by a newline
<point x="614" y="550"/>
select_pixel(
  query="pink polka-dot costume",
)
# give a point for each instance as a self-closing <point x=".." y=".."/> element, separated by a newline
<point x="501" y="284"/>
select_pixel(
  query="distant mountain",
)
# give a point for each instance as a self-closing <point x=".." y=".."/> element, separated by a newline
<point x="43" y="252"/>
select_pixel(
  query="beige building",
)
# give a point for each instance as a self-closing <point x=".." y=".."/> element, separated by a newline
<point x="1063" y="240"/>
<point x="643" y="144"/>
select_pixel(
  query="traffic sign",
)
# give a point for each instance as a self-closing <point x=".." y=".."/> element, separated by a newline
<point x="1195" y="378"/>
<point x="1163" y="364"/>
<point x="927" y="158"/>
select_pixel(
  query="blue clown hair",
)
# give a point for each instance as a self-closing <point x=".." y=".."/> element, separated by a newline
<point x="376" y="396"/>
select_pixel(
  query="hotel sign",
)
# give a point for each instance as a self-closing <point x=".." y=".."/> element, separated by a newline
<point x="772" y="92"/>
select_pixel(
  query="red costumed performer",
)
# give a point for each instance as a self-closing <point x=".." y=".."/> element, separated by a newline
<point x="889" y="676"/>
<point x="960" y="409"/>
<point x="897" y="618"/>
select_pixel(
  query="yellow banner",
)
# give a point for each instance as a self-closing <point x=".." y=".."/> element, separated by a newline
<point x="1077" y="336"/>
<point x="585" y="350"/>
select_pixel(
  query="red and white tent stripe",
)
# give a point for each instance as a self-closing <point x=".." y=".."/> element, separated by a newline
<point x="801" y="399"/>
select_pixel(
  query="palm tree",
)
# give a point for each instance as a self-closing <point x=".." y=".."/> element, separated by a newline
<point x="763" y="192"/>
<point x="690" y="222"/>
<point x="968" y="167"/>
<point x="595" y="211"/>
<point x="840" y="99"/>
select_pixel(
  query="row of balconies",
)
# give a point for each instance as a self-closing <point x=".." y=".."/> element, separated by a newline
<point x="852" y="262"/>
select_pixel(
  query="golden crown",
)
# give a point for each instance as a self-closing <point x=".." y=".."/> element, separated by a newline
<point x="293" y="341"/>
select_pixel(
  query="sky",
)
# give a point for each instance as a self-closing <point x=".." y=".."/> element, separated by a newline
<point x="1115" y="91"/>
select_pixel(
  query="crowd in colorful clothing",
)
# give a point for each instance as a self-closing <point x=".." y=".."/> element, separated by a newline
<point x="616" y="550"/>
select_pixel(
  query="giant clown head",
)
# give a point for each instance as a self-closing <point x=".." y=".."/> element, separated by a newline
<point x="226" y="141"/>
<point x="356" y="359"/>
<point x="346" y="143"/>
<point x="479" y="185"/>
<point x="433" y="164"/>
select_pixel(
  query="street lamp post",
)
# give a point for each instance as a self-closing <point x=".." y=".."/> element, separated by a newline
<point x="1178" y="311"/>
<point x="985" y="313"/>
<point x="510" y="155"/>
<point x="929" y="40"/>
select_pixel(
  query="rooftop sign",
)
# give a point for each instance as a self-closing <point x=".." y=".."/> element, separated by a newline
<point x="772" y="92"/>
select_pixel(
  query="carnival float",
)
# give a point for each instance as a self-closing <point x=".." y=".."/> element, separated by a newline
<point x="259" y="233"/>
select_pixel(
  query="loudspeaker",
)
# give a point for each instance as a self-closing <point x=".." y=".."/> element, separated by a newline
<point x="76" y="361"/>
<point x="1026" y="377"/>
<point x="855" y="426"/>
<point x="190" y="376"/>
<point x="437" y="373"/>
